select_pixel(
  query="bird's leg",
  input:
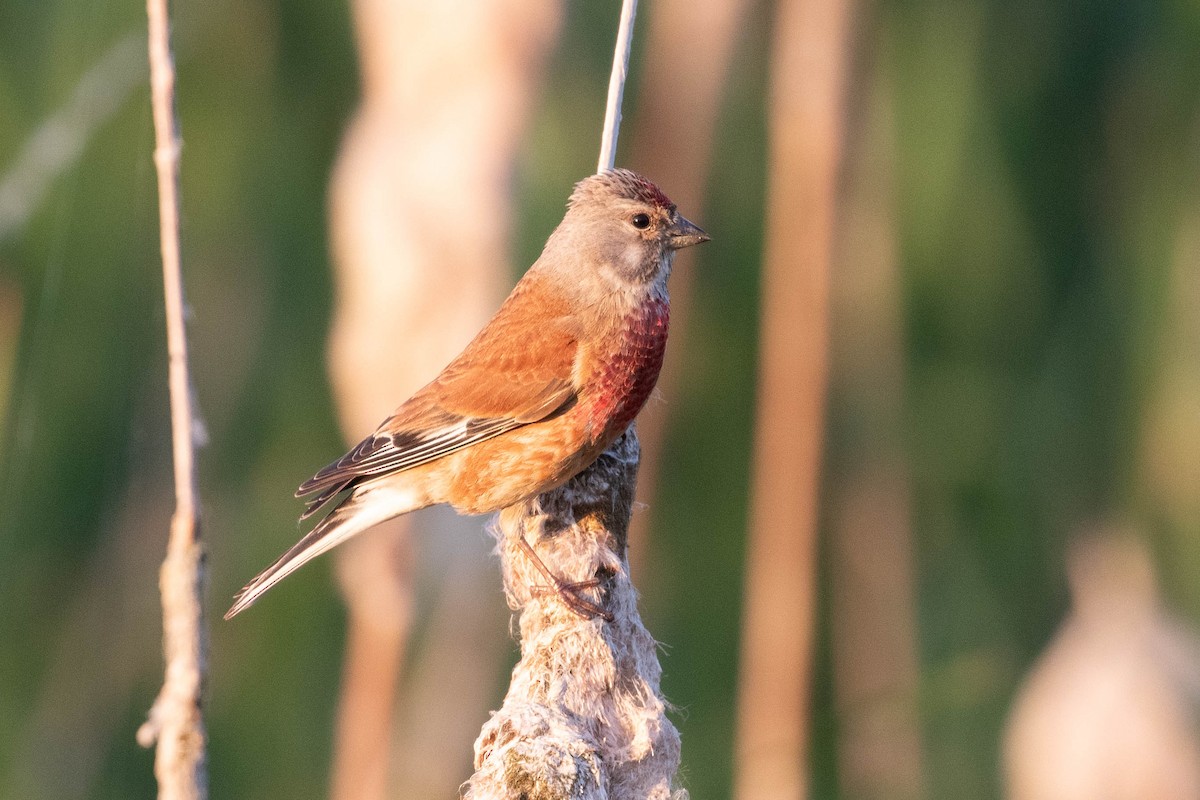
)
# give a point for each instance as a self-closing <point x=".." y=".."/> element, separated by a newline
<point x="568" y="591"/>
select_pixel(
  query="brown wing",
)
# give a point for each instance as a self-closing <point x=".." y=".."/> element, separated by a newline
<point x="518" y="370"/>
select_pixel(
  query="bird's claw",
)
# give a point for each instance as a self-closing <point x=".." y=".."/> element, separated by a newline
<point x="568" y="591"/>
<point x="572" y="599"/>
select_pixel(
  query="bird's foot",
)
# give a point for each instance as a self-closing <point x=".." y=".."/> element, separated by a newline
<point x="568" y="591"/>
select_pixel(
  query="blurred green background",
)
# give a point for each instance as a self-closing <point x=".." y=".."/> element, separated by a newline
<point x="1047" y="221"/>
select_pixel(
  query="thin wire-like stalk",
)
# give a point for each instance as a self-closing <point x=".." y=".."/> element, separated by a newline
<point x="584" y="716"/>
<point x="616" y="87"/>
<point x="176" y="721"/>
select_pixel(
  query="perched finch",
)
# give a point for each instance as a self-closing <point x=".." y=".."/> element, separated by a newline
<point x="549" y="383"/>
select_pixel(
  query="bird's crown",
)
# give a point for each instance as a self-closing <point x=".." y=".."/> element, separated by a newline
<point x="621" y="183"/>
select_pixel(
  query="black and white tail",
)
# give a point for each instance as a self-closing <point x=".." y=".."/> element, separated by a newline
<point x="367" y="506"/>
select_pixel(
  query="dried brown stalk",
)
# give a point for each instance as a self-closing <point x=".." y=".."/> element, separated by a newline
<point x="445" y="103"/>
<point x="175" y="721"/>
<point x="583" y="718"/>
<point x="805" y="120"/>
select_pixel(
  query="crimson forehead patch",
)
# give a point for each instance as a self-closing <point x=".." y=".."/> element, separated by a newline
<point x="645" y="190"/>
<point x="624" y="183"/>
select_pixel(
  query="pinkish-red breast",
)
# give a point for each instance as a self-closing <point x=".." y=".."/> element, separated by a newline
<point x="624" y="384"/>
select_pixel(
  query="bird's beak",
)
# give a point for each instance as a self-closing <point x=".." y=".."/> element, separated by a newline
<point x="684" y="234"/>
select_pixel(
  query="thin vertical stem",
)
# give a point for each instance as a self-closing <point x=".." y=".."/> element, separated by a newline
<point x="166" y="161"/>
<point x="176" y="721"/>
<point x="616" y="87"/>
<point x="805" y="124"/>
<point x="584" y="717"/>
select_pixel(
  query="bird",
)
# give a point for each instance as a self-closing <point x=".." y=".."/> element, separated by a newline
<point x="557" y="374"/>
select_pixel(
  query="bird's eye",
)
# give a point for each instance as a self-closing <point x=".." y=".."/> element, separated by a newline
<point x="641" y="221"/>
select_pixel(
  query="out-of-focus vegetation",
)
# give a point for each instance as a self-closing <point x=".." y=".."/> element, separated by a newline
<point x="1047" y="215"/>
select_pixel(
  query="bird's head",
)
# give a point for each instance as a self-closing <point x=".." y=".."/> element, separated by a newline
<point x="621" y="224"/>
